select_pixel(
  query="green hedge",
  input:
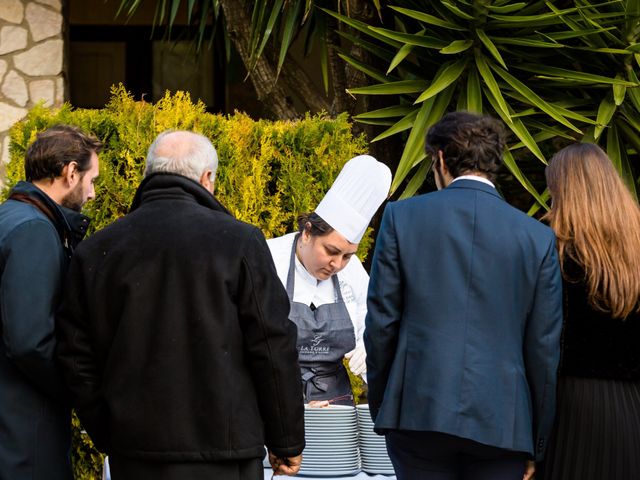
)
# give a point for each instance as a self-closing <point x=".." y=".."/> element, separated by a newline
<point x="268" y="171"/>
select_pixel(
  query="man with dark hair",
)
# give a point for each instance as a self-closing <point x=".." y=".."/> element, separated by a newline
<point x="174" y="333"/>
<point x="40" y="224"/>
<point x="464" y="319"/>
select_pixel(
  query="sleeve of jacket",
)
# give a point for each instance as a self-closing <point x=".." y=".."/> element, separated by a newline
<point x="542" y="347"/>
<point x="384" y="307"/>
<point x="270" y="343"/>
<point x="29" y="295"/>
<point x="77" y="356"/>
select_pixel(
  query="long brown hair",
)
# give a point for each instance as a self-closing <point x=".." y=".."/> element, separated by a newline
<point x="597" y="223"/>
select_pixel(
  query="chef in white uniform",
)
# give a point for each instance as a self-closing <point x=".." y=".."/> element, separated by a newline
<point x="327" y="284"/>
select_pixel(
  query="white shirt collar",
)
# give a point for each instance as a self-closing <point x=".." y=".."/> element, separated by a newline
<point x="474" y="177"/>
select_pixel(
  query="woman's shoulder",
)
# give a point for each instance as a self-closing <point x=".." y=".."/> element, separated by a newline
<point x="354" y="272"/>
<point x="282" y="243"/>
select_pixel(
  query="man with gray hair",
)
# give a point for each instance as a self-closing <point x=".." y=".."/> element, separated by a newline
<point x="175" y="340"/>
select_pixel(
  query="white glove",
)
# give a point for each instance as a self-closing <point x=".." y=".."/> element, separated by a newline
<point x="357" y="360"/>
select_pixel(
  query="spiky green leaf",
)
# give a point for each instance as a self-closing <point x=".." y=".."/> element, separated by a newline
<point x="428" y="19"/>
<point x="606" y="109"/>
<point x="456" y="46"/>
<point x="457" y="11"/>
<point x="572" y="74"/>
<point x="417" y="180"/>
<point x="474" y="92"/>
<point x="388" y="112"/>
<point x="517" y="127"/>
<point x="447" y="75"/>
<point x="364" y="68"/>
<point x="511" y="164"/>
<point x="401" y="125"/>
<point x="391" y="88"/>
<point x="288" y="32"/>
<point x="404" y="51"/>
<point x="619" y="92"/>
<point x="526" y="42"/>
<point x="362" y="27"/>
<point x="485" y="73"/>
<point x="411" y="39"/>
<point x="533" y="98"/>
<point x="484" y="38"/>
<point x="430" y="112"/>
<point x="502" y="9"/>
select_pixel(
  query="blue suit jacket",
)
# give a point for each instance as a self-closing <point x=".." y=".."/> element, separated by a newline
<point x="464" y="319"/>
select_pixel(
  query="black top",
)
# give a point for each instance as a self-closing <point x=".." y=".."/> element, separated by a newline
<point x="595" y="345"/>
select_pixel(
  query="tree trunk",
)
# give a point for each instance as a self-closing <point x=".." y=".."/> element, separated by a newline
<point x="298" y="81"/>
<point x="342" y="102"/>
<point x="263" y="76"/>
<point x="272" y="94"/>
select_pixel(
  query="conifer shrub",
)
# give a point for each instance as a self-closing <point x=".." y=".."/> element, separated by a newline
<point x="269" y="171"/>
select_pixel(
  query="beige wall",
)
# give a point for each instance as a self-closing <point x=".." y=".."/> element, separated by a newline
<point x="31" y="60"/>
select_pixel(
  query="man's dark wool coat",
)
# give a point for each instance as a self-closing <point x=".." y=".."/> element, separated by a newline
<point x="175" y="340"/>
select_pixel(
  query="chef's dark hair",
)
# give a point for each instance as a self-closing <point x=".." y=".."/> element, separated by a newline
<point x="469" y="143"/>
<point x="314" y="224"/>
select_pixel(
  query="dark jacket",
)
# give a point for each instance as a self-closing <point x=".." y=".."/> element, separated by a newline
<point x="36" y="240"/>
<point x="464" y="319"/>
<point x="177" y="344"/>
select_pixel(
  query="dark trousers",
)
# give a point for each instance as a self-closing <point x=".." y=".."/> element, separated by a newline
<point x="438" y="456"/>
<point x="123" y="468"/>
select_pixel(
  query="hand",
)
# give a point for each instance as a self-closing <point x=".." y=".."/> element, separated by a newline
<point x="530" y="470"/>
<point x="357" y="360"/>
<point x="285" y="465"/>
<point x="318" y="403"/>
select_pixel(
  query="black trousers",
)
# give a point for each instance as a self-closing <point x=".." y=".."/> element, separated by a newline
<point x="123" y="468"/>
<point x="438" y="456"/>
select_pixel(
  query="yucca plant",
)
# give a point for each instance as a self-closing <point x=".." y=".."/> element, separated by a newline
<point x="547" y="69"/>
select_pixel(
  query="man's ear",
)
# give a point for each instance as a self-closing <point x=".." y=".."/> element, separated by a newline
<point x="441" y="164"/>
<point x="206" y="181"/>
<point x="70" y="174"/>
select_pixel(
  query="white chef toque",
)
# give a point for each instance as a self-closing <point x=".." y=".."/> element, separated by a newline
<point x="356" y="194"/>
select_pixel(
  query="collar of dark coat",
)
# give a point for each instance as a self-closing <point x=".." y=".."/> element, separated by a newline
<point x="475" y="185"/>
<point x="162" y="184"/>
<point x="69" y="224"/>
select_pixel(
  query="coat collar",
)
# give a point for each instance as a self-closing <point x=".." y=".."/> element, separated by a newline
<point x="68" y="223"/>
<point x="161" y="184"/>
<point x="474" y="185"/>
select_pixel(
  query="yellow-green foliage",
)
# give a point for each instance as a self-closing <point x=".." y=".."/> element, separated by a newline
<point x="269" y="172"/>
<point x="358" y="386"/>
<point x="86" y="460"/>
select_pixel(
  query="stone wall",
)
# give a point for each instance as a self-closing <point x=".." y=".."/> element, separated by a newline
<point x="31" y="60"/>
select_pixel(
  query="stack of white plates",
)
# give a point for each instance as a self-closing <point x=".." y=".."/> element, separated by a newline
<point x="373" y="449"/>
<point x="331" y="436"/>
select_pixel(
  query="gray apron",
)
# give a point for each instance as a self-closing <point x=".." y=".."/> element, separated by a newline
<point x="324" y="336"/>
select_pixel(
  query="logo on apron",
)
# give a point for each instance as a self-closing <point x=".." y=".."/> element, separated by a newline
<point x="347" y="292"/>
<point x="314" y="346"/>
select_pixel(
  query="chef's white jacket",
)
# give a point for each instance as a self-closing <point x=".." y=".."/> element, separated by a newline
<point x="353" y="280"/>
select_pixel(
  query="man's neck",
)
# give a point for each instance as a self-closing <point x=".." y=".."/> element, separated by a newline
<point x="50" y="188"/>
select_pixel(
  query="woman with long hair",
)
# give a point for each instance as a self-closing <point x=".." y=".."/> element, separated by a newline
<point x="597" y="224"/>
